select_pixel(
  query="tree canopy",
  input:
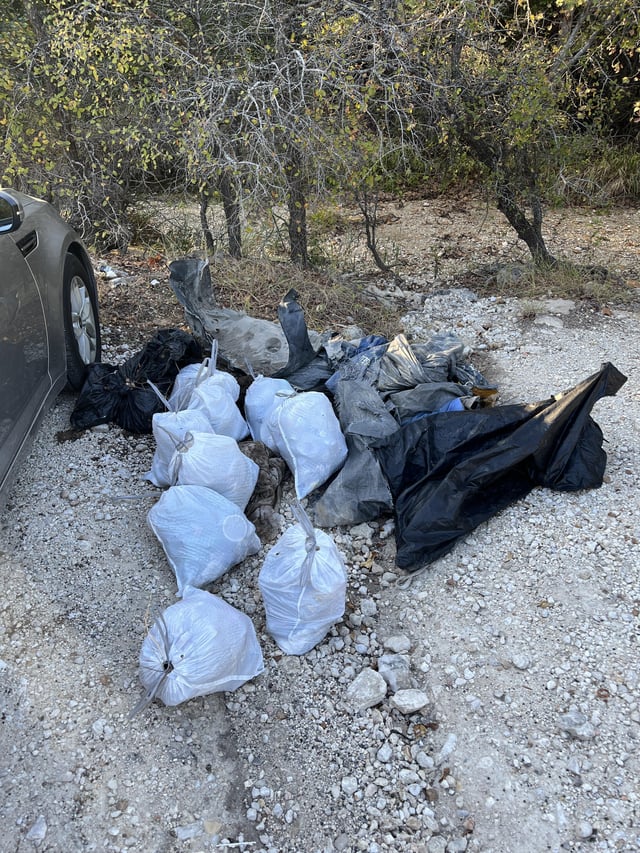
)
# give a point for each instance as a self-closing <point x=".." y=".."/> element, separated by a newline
<point x="274" y="103"/>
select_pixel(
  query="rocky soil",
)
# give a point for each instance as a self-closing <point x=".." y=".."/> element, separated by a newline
<point x="509" y="714"/>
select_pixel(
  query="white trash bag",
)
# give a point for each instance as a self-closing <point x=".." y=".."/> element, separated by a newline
<point x="218" y="404"/>
<point x="307" y="435"/>
<point x="183" y="385"/>
<point x="169" y="430"/>
<point x="192" y="375"/>
<point x="202" y="533"/>
<point x="262" y="396"/>
<point x="303" y="582"/>
<point x="215" y="461"/>
<point x="199" y="645"/>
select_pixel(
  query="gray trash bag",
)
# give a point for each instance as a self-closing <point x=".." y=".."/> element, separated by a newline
<point x="429" y="397"/>
<point x="244" y="342"/>
<point x="360" y="491"/>
<point x="446" y="348"/>
<point x="241" y="339"/>
<point x="400" y="368"/>
<point x="442" y="358"/>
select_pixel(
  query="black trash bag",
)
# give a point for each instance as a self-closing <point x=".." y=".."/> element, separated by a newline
<point x="122" y="394"/>
<point x="306" y="369"/>
<point x="360" y="491"/>
<point x="450" y="472"/>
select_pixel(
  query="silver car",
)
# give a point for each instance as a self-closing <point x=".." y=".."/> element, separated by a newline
<point x="49" y="328"/>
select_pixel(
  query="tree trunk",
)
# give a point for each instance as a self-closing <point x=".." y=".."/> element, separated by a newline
<point x="297" y="206"/>
<point x="509" y="175"/>
<point x="529" y="231"/>
<point x="368" y="204"/>
<point x="231" y="205"/>
<point x="204" y="224"/>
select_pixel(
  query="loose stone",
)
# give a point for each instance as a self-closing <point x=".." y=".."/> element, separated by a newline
<point x="576" y="724"/>
<point x="409" y="701"/>
<point x="399" y="643"/>
<point x="368" y="689"/>
<point x="395" y="669"/>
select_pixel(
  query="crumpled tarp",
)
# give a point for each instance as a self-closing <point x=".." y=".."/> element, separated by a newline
<point x="451" y="471"/>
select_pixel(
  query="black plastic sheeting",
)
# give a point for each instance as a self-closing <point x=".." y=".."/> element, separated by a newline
<point x="122" y="394"/>
<point x="449" y="472"/>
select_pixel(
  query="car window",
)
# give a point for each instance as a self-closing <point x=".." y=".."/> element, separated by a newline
<point x="6" y="215"/>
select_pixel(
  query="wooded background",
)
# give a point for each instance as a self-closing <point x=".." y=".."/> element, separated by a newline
<point x="279" y="105"/>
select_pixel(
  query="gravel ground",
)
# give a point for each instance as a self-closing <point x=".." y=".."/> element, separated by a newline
<point x="520" y="651"/>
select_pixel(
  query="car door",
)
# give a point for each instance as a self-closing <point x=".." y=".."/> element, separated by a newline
<point x="24" y="358"/>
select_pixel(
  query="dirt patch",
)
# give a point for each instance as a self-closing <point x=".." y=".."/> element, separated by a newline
<point x="432" y="244"/>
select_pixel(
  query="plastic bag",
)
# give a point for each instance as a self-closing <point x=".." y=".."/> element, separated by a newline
<point x="192" y="375"/>
<point x="215" y="461"/>
<point x="199" y="645"/>
<point x="360" y="491"/>
<point x="303" y="582"/>
<point x="122" y="394"/>
<point x="306" y="369"/>
<point x="183" y="386"/>
<point x="244" y="340"/>
<point x="263" y="395"/>
<point x="169" y="430"/>
<point x="217" y="403"/>
<point x="428" y="397"/>
<point x="307" y="435"/>
<point x="202" y="533"/>
<point x="450" y="472"/>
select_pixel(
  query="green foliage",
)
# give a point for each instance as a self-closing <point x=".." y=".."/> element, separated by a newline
<point x="282" y="104"/>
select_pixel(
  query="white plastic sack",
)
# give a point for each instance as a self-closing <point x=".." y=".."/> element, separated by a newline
<point x="169" y="429"/>
<point x="307" y="435"/>
<point x="183" y="386"/>
<point x="202" y="533"/>
<point x="218" y="404"/>
<point x="199" y="645"/>
<point x="263" y="395"/>
<point x="193" y="374"/>
<point x="303" y="582"/>
<point x="215" y="461"/>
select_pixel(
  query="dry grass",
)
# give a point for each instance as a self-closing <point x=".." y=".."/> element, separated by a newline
<point x="567" y="281"/>
<point x="256" y="286"/>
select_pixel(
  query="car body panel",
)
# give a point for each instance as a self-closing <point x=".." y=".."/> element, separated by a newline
<point x="32" y="334"/>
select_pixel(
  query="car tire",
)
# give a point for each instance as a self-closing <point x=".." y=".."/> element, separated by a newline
<point x="81" y="321"/>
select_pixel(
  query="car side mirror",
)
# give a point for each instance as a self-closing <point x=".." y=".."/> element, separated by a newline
<point x="10" y="213"/>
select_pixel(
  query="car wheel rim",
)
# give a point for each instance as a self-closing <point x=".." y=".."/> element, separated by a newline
<point x="83" y="320"/>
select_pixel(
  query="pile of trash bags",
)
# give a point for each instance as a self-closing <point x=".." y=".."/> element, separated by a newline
<point x="367" y="427"/>
<point x="424" y="438"/>
<point x="202" y="644"/>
